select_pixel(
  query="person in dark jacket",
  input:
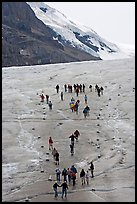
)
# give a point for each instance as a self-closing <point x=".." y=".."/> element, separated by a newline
<point x="50" y="105"/>
<point x="57" y="158"/>
<point x="69" y="174"/>
<point x="72" y="137"/>
<point x="98" y="90"/>
<point x="58" y="173"/>
<point x="64" y="188"/>
<point x="64" y="173"/>
<point x="57" y="88"/>
<point x="86" y="111"/>
<point x="73" y="169"/>
<point x="73" y="177"/>
<point x="101" y="89"/>
<point x="77" y="91"/>
<point x="72" y="149"/>
<point x="61" y="95"/>
<point x="82" y="176"/>
<point x="85" y="98"/>
<point x="54" y="152"/>
<point x="76" y="107"/>
<point x="55" y="186"/>
<point x="65" y="86"/>
<point x="83" y="87"/>
<point x="92" y="168"/>
<point x="47" y="98"/>
<point x="90" y="87"/>
<point x="76" y="134"/>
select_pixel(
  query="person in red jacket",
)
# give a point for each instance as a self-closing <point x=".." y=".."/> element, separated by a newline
<point x="42" y="97"/>
<point x="50" y="144"/>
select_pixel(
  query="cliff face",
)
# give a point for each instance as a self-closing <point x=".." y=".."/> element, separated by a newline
<point x="28" y="41"/>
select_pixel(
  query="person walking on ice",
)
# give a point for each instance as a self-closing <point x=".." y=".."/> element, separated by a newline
<point x="87" y="175"/>
<point x="69" y="174"/>
<point x="72" y="104"/>
<point x="57" y="158"/>
<point x="58" y="174"/>
<point x="82" y="176"/>
<point x="72" y="138"/>
<point x="101" y="89"/>
<point x="64" y="174"/>
<point x="61" y="95"/>
<point x="73" y="177"/>
<point x="57" y="88"/>
<point x="86" y="111"/>
<point x="76" y="134"/>
<point x="92" y="169"/>
<point x="42" y="97"/>
<point x="73" y="169"/>
<point x="54" y="152"/>
<point x="90" y="87"/>
<point x="72" y="149"/>
<point x="50" y="143"/>
<point x="65" y="86"/>
<point x="50" y="105"/>
<point x="64" y="186"/>
<point x="86" y="99"/>
<point x="76" y="106"/>
<point x="55" y="186"/>
<point x="47" y="98"/>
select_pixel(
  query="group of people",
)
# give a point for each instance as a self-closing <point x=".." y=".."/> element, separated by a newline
<point x="86" y="175"/>
<point x="70" y="174"/>
<point x="99" y="90"/>
<point x="64" y="186"/>
<point x="43" y="97"/>
<point x="74" y="104"/>
<point x="55" y="153"/>
<point x="74" y="136"/>
<point x="78" y="88"/>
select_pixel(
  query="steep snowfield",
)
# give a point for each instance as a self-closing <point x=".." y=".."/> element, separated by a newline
<point x="66" y="28"/>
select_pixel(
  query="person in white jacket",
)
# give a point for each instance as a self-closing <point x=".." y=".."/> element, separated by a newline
<point x="87" y="175"/>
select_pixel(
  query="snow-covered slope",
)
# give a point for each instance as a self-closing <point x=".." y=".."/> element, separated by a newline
<point x="77" y="35"/>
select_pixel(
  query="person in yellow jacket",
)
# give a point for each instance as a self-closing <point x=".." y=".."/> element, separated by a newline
<point x="72" y="104"/>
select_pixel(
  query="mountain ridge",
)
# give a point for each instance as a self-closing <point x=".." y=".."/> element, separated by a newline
<point x="34" y="33"/>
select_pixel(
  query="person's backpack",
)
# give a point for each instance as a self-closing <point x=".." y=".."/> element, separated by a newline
<point x="85" y="110"/>
<point x="73" y="175"/>
<point x="64" y="172"/>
